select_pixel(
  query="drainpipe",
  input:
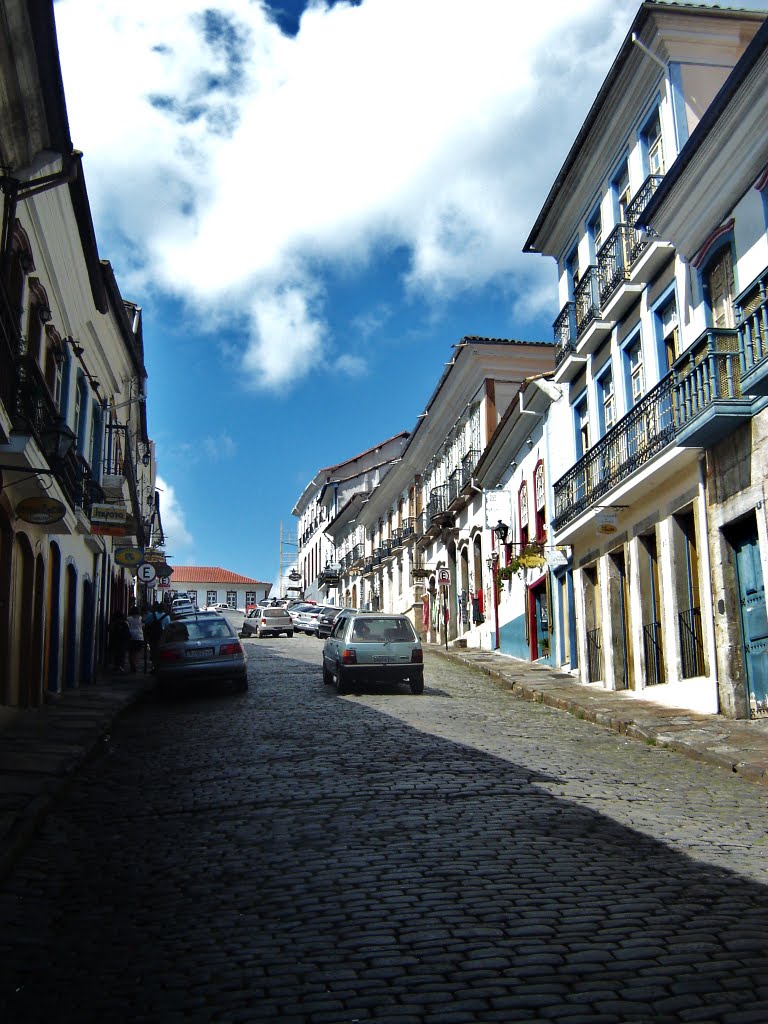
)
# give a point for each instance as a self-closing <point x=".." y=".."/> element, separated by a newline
<point x="649" y="53"/>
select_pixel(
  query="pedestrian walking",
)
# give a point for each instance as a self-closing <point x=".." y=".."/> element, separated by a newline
<point x="119" y="639"/>
<point x="136" y="627"/>
<point x="154" y="623"/>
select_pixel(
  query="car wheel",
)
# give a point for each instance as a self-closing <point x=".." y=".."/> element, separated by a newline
<point x="289" y="633"/>
<point x="342" y="683"/>
<point x="241" y="686"/>
<point x="417" y="684"/>
<point x="327" y="676"/>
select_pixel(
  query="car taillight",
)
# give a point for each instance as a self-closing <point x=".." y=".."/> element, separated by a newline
<point x="263" y="622"/>
<point x="169" y="654"/>
<point x="417" y="656"/>
<point x="230" y="649"/>
<point x="349" y="657"/>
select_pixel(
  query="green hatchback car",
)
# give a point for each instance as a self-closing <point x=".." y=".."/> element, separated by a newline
<point x="369" y="647"/>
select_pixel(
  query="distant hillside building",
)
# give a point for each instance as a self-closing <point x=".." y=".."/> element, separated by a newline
<point x="207" y="585"/>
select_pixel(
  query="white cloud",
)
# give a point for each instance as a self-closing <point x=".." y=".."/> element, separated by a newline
<point x="220" y="447"/>
<point x="232" y="161"/>
<point x="177" y="536"/>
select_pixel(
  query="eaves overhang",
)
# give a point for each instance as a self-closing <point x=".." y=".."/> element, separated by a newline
<point x="534" y="397"/>
<point x="748" y="75"/>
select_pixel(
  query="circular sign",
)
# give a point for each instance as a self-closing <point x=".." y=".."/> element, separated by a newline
<point x="146" y="573"/>
<point x="41" y="511"/>
<point x="444" y="577"/>
<point x="128" y="556"/>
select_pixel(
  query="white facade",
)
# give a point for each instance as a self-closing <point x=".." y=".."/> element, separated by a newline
<point x="71" y="360"/>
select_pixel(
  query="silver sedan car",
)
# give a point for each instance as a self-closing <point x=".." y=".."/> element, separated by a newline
<point x="202" y="647"/>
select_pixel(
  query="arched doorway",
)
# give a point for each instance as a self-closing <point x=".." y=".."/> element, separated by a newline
<point x="464" y="601"/>
<point x="70" y="626"/>
<point x="24" y="591"/>
<point x="452" y="597"/>
<point x="37" y="654"/>
<point x="6" y="604"/>
<point x="86" y="633"/>
<point x="53" y="621"/>
<point x="478" y="599"/>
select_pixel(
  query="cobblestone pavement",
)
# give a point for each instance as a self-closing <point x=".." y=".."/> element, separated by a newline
<point x="463" y="856"/>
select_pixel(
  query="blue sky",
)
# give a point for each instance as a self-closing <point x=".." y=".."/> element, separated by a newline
<point x="311" y="203"/>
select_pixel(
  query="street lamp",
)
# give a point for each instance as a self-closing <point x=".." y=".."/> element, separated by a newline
<point x="501" y="530"/>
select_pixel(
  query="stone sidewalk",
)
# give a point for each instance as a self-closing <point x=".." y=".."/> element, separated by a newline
<point x="42" y="748"/>
<point x="737" y="746"/>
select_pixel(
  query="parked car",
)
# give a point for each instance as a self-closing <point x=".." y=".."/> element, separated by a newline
<point x="326" y="619"/>
<point x="366" y="647"/>
<point x="297" y="609"/>
<point x="219" y="608"/>
<point x="200" y="648"/>
<point x="181" y="607"/>
<point x="267" y="622"/>
<point x="306" y="621"/>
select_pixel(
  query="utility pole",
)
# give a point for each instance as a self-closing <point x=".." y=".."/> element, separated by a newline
<point x="287" y="557"/>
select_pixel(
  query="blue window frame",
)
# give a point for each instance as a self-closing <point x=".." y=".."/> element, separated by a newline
<point x="606" y="405"/>
<point x="572" y="270"/>
<point x="620" y="192"/>
<point x="581" y="425"/>
<point x="595" y="232"/>
<point x="666" y="331"/>
<point x="651" y="144"/>
<point x="634" y="370"/>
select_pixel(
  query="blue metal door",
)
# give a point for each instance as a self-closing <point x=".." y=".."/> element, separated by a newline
<point x="754" y="621"/>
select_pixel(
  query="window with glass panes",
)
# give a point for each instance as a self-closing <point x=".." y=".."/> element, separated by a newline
<point x="654" y="149"/>
<point x="636" y="373"/>
<point x="581" y="412"/>
<point x="607" y="400"/>
<point x="669" y="331"/>
<point x="721" y="288"/>
<point x="522" y="501"/>
<point x="232" y="598"/>
<point x="212" y="597"/>
<point x="192" y="595"/>
<point x="621" y="192"/>
<point x="540" y="502"/>
<point x="250" y="597"/>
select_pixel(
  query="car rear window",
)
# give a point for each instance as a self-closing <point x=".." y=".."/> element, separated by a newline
<point x="273" y="613"/>
<point x="200" y="629"/>
<point x="375" y="630"/>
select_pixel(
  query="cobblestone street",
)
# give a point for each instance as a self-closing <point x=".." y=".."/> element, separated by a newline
<point x="463" y="856"/>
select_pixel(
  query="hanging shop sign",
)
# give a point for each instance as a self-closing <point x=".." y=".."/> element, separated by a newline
<point x="498" y="507"/>
<point x="41" y="511"/>
<point x="105" y="513"/>
<point x="607" y="521"/>
<point x="556" y="558"/>
<point x="130" y="557"/>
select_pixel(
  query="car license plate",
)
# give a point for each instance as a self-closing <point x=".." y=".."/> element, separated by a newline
<point x="200" y="652"/>
<point x="382" y="659"/>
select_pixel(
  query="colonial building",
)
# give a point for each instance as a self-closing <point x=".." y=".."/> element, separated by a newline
<point x="419" y="542"/>
<point x="629" y="466"/>
<point x="76" y="462"/>
<point x="208" y="585"/>
<point x="326" y="493"/>
<point x="713" y="206"/>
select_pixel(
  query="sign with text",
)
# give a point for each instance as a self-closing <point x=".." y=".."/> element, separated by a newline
<point x="498" y="506"/>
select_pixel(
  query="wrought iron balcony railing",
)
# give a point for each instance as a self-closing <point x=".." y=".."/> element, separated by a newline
<point x="368" y="564"/>
<point x="634" y="440"/>
<point x="438" y="501"/>
<point x="396" y="541"/>
<point x="638" y="240"/>
<point x="378" y="554"/>
<point x="408" y="528"/>
<point x="565" y="332"/>
<point x="454" y="486"/>
<point x="356" y="554"/>
<point x="587" y="299"/>
<point x="468" y="464"/>
<point x="613" y="262"/>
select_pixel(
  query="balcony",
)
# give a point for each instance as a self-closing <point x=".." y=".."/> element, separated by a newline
<point x="356" y="554"/>
<point x="647" y="254"/>
<point x="591" y="325"/>
<point x="468" y="464"/>
<point x="752" y="313"/>
<point x="697" y="404"/>
<point x="637" y="438"/>
<point x="617" y="295"/>
<point x="708" y="400"/>
<point x="408" y="529"/>
<point x="378" y="554"/>
<point x="396" y="540"/>
<point x="437" y="506"/>
<point x="368" y="564"/>
<point x="454" y="486"/>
